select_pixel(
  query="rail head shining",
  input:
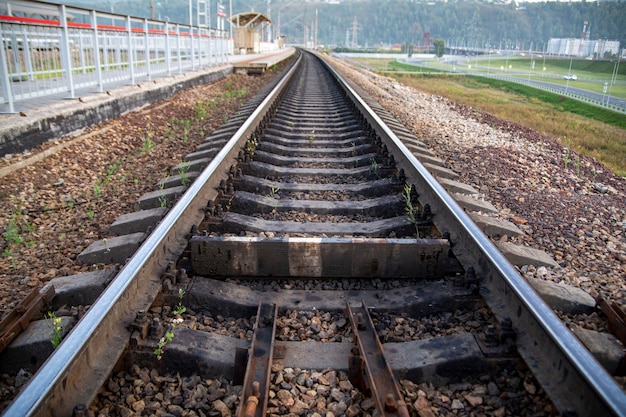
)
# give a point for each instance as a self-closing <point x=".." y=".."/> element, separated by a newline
<point x="561" y="357"/>
<point x="44" y="395"/>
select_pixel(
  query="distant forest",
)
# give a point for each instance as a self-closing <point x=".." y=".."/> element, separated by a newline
<point x="401" y="21"/>
<point x="470" y="23"/>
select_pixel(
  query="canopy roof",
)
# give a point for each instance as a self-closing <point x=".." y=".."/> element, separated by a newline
<point x="250" y="20"/>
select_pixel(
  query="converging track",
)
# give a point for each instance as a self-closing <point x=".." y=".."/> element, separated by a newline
<point x="310" y="200"/>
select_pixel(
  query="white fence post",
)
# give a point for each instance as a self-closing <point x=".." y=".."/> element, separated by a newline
<point x="66" y="51"/>
<point x="4" y="68"/>
<point x="131" y="51"/>
<point x="96" y="50"/>
<point x="168" y="49"/>
<point x="146" y="48"/>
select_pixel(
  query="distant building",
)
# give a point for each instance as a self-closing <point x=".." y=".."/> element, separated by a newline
<point x="581" y="47"/>
<point x="603" y="47"/>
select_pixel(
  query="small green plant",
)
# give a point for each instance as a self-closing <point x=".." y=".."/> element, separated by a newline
<point x="97" y="189"/>
<point x="374" y="167"/>
<point x="273" y="191"/>
<point x="56" y="334"/>
<point x="577" y="165"/>
<point x="566" y="152"/>
<point x="240" y="92"/>
<point x="200" y="110"/>
<point x="183" y="169"/>
<point x="12" y="233"/>
<point x="273" y="195"/>
<point x="180" y="308"/>
<point x="411" y="212"/>
<point x="91" y="214"/>
<point x="162" y="197"/>
<point x="169" y="333"/>
<point x="8" y="253"/>
<point x="183" y="127"/>
<point x="18" y="228"/>
<point x="111" y="171"/>
<point x="148" y="144"/>
<point x="311" y="137"/>
<point x="250" y="147"/>
<point x="566" y="157"/>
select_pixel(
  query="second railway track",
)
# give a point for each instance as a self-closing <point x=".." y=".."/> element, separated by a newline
<point x="301" y="208"/>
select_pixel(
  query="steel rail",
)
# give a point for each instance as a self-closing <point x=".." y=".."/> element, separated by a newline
<point x="569" y="374"/>
<point x="83" y="361"/>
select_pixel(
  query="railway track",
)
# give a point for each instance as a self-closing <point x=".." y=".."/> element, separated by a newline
<point x="308" y="204"/>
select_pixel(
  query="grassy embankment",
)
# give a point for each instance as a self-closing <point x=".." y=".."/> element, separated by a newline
<point x="584" y="128"/>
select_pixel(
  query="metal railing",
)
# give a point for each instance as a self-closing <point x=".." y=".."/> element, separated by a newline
<point x="67" y="48"/>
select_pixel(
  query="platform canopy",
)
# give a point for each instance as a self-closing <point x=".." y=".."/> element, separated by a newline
<point x="248" y="28"/>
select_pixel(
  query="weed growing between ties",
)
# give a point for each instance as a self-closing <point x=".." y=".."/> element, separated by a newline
<point x="169" y="333"/>
<point x="274" y="195"/>
<point x="162" y="196"/>
<point x="183" y="170"/>
<point x="56" y="333"/>
<point x="409" y="209"/>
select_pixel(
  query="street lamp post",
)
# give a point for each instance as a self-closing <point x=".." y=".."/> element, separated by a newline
<point x="545" y="50"/>
<point x="613" y="78"/>
<point x="569" y="72"/>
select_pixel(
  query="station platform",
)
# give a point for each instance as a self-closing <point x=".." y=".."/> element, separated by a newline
<point x="259" y="64"/>
<point x="42" y="119"/>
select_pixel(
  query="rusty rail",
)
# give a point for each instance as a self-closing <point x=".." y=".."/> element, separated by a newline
<point x="371" y="362"/>
<point x="26" y="311"/>
<point x="617" y="325"/>
<point x="257" y="378"/>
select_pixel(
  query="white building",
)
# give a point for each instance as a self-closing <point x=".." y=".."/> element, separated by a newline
<point x="581" y="47"/>
<point x="602" y="47"/>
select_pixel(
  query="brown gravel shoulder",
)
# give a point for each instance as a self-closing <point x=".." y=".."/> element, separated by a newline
<point x="53" y="209"/>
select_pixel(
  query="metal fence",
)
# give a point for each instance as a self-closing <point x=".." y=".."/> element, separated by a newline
<point x="65" y="49"/>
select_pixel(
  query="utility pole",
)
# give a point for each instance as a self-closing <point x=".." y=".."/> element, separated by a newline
<point x="355" y="29"/>
<point x="315" y="33"/>
<point x="269" y="16"/>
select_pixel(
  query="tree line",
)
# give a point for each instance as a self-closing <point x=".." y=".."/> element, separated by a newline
<point x="372" y="23"/>
<point x="458" y="23"/>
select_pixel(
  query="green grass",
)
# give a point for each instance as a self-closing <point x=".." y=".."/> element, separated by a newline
<point x="594" y="131"/>
<point x="562" y="65"/>
<point x="557" y="101"/>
